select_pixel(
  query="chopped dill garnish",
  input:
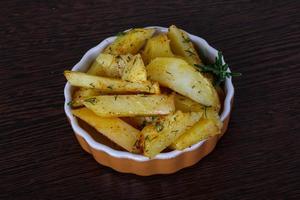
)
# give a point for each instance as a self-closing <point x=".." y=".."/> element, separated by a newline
<point x="92" y="85"/>
<point x="149" y="88"/>
<point x="205" y="109"/>
<point x="153" y="118"/>
<point x="92" y="100"/>
<point x="169" y="73"/>
<point x="159" y="127"/>
<point x="190" y="52"/>
<point x="186" y="40"/>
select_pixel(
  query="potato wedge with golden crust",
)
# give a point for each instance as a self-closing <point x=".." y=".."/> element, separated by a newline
<point x="114" y="128"/>
<point x="109" y="85"/>
<point x="209" y="125"/>
<point x="202" y="130"/>
<point x="157" y="46"/>
<point x="104" y="65"/>
<point x="81" y="94"/>
<point x="129" y="42"/>
<point x="186" y="104"/>
<point x="156" y="137"/>
<point x="135" y="70"/>
<point x="109" y="65"/>
<point x="182" y="45"/>
<point x="181" y="77"/>
<point x="101" y="63"/>
<point x="130" y="105"/>
<point x="141" y="121"/>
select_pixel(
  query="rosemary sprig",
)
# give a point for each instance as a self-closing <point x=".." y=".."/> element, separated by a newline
<point x="218" y="69"/>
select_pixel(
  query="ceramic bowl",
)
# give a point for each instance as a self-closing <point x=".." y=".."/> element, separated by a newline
<point x="105" y="152"/>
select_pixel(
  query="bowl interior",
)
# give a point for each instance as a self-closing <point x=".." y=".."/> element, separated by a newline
<point x="100" y="142"/>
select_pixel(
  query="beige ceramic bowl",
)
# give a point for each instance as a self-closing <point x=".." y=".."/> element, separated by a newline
<point x="109" y="155"/>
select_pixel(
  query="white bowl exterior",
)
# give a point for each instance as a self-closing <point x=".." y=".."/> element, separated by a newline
<point x="83" y="65"/>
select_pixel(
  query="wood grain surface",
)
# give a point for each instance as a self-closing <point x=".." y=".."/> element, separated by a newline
<point x="258" y="158"/>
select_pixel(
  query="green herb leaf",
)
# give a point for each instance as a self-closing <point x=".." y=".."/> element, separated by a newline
<point x="149" y="88"/>
<point x="205" y="109"/>
<point x="92" y="85"/>
<point x="92" y="100"/>
<point x="147" y="138"/>
<point x="186" y="40"/>
<point x="190" y="52"/>
<point x="159" y="127"/>
<point x="218" y="69"/>
<point x="169" y="73"/>
<point x="144" y="123"/>
<point x="175" y="131"/>
<point x="134" y="61"/>
<point x="70" y="103"/>
<point x="120" y="34"/>
<point x="153" y="118"/>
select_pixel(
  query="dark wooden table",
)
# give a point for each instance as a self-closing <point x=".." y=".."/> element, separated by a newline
<point x="258" y="158"/>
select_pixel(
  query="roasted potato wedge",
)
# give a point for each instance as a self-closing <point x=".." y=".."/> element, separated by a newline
<point x="109" y="65"/>
<point x="114" y="128"/>
<point x="214" y="116"/>
<point x="81" y="94"/>
<point x="109" y="85"/>
<point x="129" y="42"/>
<point x="100" y="65"/>
<point x="202" y="130"/>
<point x="186" y="104"/>
<point x="104" y="65"/>
<point x="141" y="121"/>
<point x="209" y="125"/>
<point x="182" y="45"/>
<point x="135" y="70"/>
<point x="130" y="105"/>
<point x="181" y="77"/>
<point x="96" y="69"/>
<point x="158" y="46"/>
<point x="156" y="137"/>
